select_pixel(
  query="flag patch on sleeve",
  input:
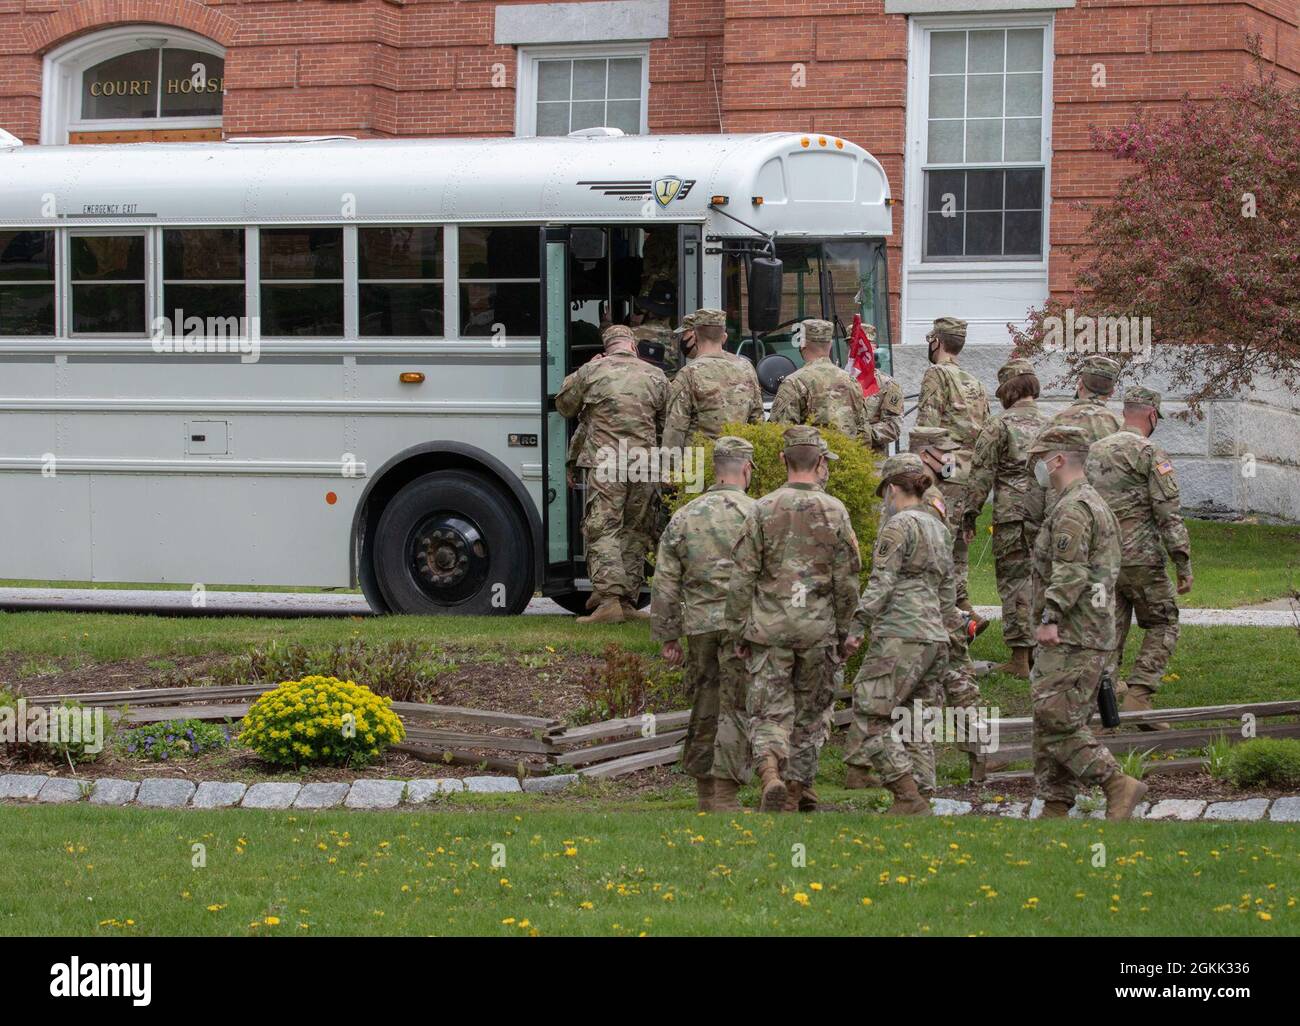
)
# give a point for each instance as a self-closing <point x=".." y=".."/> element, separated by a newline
<point x="938" y="504"/>
<point x="1164" y="467"/>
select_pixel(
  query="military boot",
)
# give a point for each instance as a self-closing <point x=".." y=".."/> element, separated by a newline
<point x="808" y="800"/>
<point x="859" y="778"/>
<point x="1122" y="795"/>
<point x="793" y="795"/>
<point x="593" y="600"/>
<point x="608" y="611"/>
<point x="704" y="791"/>
<point x="907" y="799"/>
<point x="724" y="795"/>
<point x="631" y="612"/>
<point x="1138" y="699"/>
<point x="1017" y="665"/>
<point x="773" y="787"/>
<point x="1055" y="809"/>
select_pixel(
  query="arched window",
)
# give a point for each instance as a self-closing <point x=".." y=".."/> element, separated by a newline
<point x="136" y="83"/>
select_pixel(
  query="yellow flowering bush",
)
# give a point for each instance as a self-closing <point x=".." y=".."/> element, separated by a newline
<point x="321" y="720"/>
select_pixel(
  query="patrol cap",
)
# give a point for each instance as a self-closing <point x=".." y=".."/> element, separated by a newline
<point x="826" y="449"/>
<point x="1013" y="369"/>
<point x="800" y="434"/>
<point x="709" y="318"/>
<point x="1060" y="438"/>
<point x="818" y="332"/>
<point x="930" y="438"/>
<point x="688" y="324"/>
<point x="730" y="447"/>
<point x="899" y="463"/>
<point x="953" y="327"/>
<point x="616" y="333"/>
<point x="1102" y="366"/>
<point x="1143" y="397"/>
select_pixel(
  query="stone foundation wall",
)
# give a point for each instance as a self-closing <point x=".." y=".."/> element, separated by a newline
<point x="1240" y="459"/>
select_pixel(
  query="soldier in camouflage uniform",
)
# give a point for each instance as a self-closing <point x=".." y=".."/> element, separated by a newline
<point x="790" y="605"/>
<point x="1001" y="465"/>
<point x="692" y="572"/>
<point x="1076" y="566"/>
<point x="714" y="389"/>
<point x="1088" y="412"/>
<point x="956" y="401"/>
<point x="903" y="609"/>
<point x="821" y="393"/>
<point x="1136" y="478"/>
<point x="620" y="402"/>
<point x="885" y="408"/>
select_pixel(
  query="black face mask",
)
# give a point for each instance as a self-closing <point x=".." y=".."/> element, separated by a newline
<point x="933" y="350"/>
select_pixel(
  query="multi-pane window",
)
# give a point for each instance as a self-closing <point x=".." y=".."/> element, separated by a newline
<point x="500" y="281"/>
<point x="400" y="282"/>
<point x="108" y="284"/>
<point x="203" y="277"/>
<point x="589" y="92"/>
<point x="154" y="83"/>
<point x="26" y="283"/>
<point x="301" y="282"/>
<point x="985" y="117"/>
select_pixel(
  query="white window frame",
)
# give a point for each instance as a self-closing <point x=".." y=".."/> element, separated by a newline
<point x="63" y="68"/>
<point x="918" y="104"/>
<point x="526" y="77"/>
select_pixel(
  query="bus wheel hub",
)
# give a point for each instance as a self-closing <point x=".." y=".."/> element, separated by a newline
<point x="450" y="554"/>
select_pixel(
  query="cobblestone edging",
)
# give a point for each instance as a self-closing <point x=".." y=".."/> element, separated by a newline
<point x="177" y="793"/>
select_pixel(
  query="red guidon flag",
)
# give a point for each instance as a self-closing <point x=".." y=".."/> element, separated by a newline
<point x="862" y="356"/>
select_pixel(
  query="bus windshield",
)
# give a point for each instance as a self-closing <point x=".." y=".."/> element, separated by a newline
<point x="829" y="279"/>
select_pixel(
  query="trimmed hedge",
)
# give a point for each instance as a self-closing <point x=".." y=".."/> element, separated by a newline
<point x="854" y="476"/>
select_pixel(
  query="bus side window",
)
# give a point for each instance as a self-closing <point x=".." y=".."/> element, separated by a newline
<point x="302" y="282"/>
<point x="500" y="282"/>
<point x="26" y="283"/>
<point x="203" y="277"/>
<point x="400" y="282"/>
<point x="108" y="284"/>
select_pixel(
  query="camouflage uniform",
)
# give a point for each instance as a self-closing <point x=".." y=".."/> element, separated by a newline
<point x="1136" y="478"/>
<point x="1001" y="465"/>
<point x="1090" y="415"/>
<point x="1076" y="565"/>
<point x="620" y="402"/>
<point x="692" y="573"/>
<point x="822" y="394"/>
<point x="903" y="608"/>
<point x="885" y="412"/>
<point x="712" y="390"/>
<point x="793" y="591"/>
<point x="956" y="401"/>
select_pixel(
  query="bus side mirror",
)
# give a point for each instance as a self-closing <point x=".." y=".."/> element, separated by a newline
<point x="764" y="293"/>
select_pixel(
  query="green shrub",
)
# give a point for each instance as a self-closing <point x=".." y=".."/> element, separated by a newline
<point x="1265" y="761"/>
<point x="76" y="732"/>
<point x="854" y="476"/>
<point x="161" y="742"/>
<point x="627" y="685"/>
<point x="321" y="720"/>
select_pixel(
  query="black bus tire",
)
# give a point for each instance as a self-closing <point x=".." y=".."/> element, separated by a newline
<point x="453" y="543"/>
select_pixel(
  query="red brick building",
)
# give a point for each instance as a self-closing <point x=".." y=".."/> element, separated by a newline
<point x="887" y="74"/>
<point x="979" y="110"/>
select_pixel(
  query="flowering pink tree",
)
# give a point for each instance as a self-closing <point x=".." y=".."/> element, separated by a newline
<point x="1204" y="239"/>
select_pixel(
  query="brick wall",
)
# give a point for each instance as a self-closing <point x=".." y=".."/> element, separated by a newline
<point x="426" y="67"/>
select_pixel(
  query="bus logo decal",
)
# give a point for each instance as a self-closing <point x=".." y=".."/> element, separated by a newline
<point x="664" y="190"/>
<point x="667" y="188"/>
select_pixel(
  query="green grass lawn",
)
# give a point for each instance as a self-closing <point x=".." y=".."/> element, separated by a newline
<point x="82" y="870"/>
<point x="1234" y="564"/>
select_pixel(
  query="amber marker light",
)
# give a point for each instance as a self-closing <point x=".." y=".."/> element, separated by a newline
<point x="331" y="498"/>
<point x="411" y="378"/>
<point x="805" y="143"/>
<point x="719" y="201"/>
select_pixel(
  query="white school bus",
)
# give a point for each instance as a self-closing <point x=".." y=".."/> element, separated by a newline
<point x="331" y="362"/>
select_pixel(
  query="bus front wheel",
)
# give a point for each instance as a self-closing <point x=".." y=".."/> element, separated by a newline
<point x="451" y="542"/>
